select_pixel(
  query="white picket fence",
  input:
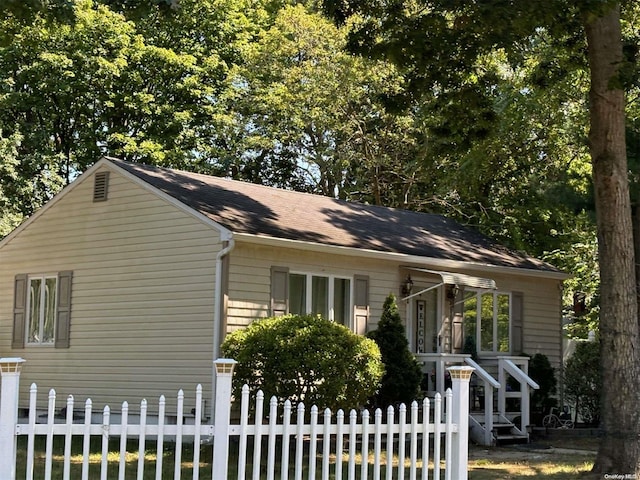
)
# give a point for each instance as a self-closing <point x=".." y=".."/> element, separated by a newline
<point x="310" y="445"/>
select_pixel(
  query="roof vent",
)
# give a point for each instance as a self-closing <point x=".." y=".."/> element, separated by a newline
<point x="100" y="186"/>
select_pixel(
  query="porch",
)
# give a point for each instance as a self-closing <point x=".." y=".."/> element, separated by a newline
<point x="499" y="393"/>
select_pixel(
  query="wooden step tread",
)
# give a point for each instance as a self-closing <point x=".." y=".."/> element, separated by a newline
<point x="502" y="439"/>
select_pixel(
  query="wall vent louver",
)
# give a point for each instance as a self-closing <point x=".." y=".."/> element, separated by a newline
<point x="100" y="186"/>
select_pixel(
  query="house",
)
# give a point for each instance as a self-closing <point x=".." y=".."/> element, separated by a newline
<point x="123" y="286"/>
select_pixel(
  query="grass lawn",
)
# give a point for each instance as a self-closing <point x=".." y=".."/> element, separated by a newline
<point x="484" y="463"/>
<point x="545" y="465"/>
<point x="131" y="459"/>
<point x="542" y="459"/>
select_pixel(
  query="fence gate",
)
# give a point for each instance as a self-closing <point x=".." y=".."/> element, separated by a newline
<point x="277" y="442"/>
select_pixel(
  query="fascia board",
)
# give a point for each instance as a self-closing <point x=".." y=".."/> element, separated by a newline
<point x="401" y="258"/>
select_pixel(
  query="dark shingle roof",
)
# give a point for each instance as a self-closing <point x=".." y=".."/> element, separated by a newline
<point x="259" y="210"/>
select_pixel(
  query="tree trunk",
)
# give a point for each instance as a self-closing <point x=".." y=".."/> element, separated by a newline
<point x="620" y="446"/>
<point x="635" y="218"/>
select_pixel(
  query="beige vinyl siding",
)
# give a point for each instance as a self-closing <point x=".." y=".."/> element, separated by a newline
<point x="142" y="299"/>
<point x="249" y="295"/>
<point x="250" y="278"/>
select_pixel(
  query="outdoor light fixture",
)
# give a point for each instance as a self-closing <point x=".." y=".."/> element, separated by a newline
<point x="224" y="366"/>
<point x="407" y="286"/>
<point x="11" y="365"/>
<point x="452" y="291"/>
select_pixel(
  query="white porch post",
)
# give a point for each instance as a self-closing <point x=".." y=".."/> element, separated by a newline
<point x="10" y="383"/>
<point x="488" y="413"/>
<point x="222" y="408"/>
<point x="502" y="379"/>
<point x="440" y="376"/>
<point x="460" y="377"/>
<point x="524" y="407"/>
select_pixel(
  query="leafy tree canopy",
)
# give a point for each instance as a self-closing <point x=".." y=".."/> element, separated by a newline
<point x="94" y="82"/>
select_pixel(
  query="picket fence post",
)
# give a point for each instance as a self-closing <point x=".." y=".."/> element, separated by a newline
<point x="222" y="414"/>
<point x="460" y="376"/>
<point x="9" y="387"/>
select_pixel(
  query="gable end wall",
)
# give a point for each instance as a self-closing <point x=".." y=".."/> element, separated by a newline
<point x="142" y="300"/>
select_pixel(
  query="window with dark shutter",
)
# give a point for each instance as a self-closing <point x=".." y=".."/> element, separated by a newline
<point x="42" y="310"/>
<point x="458" y="316"/>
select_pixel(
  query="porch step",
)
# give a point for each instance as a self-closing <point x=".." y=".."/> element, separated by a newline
<point x="505" y="434"/>
<point x="511" y="439"/>
<point x="503" y="426"/>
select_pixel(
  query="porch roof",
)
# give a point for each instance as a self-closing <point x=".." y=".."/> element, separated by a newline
<point x="462" y="280"/>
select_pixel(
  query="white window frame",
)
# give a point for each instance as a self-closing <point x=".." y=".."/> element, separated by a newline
<point x="41" y="314"/>
<point x="330" y="293"/>
<point x="478" y="333"/>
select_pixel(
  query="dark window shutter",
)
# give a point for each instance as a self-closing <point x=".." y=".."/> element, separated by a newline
<point x="63" y="319"/>
<point x="279" y="291"/>
<point x="19" y="311"/>
<point x="360" y="303"/>
<point x="517" y="315"/>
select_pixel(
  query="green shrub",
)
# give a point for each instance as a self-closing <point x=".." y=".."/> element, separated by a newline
<point x="583" y="381"/>
<point x="305" y="358"/>
<point x="544" y="374"/>
<point x="403" y="375"/>
<point x="470" y="348"/>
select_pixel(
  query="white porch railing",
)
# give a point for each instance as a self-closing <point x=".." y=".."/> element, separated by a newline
<point x="436" y="364"/>
<point x="440" y="362"/>
<point x="490" y="384"/>
<point x="299" y="444"/>
<point x="517" y="367"/>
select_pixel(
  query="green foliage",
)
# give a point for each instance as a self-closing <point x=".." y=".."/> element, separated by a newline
<point x="12" y="185"/>
<point x="129" y="83"/>
<point x="581" y="259"/>
<point x="313" y="117"/>
<point x="583" y="381"/>
<point x="403" y="374"/>
<point x="305" y="358"/>
<point x="544" y="374"/>
<point x="470" y="347"/>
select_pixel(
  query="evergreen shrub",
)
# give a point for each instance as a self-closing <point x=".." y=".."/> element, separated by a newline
<point x="403" y="374"/>
<point x="583" y="381"/>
